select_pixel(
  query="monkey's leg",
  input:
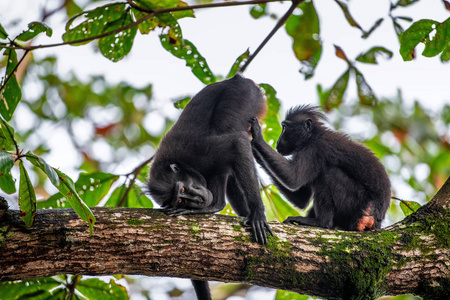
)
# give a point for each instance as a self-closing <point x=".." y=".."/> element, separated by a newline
<point x="201" y="289"/>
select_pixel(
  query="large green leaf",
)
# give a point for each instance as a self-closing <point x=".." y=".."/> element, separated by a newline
<point x="67" y="188"/>
<point x="3" y="34"/>
<point x="6" y="136"/>
<point x="276" y="207"/>
<point x="28" y="289"/>
<point x="41" y="164"/>
<point x="305" y="31"/>
<point x="272" y="129"/>
<point x="34" y="28"/>
<point x="95" y="288"/>
<point x="7" y="183"/>
<point x="174" y="43"/>
<point x="117" y="46"/>
<point x="435" y="36"/>
<point x="27" y="197"/>
<point x="93" y="187"/>
<point x="96" y="22"/>
<point x="370" y="58"/>
<point x="11" y="93"/>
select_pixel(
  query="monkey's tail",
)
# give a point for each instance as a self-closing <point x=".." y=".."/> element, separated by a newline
<point x="201" y="289"/>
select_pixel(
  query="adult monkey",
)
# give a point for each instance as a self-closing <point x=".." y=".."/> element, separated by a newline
<point x="207" y="154"/>
<point x="350" y="186"/>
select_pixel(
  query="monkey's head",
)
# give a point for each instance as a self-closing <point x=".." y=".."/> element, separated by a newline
<point x="299" y="127"/>
<point x="179" y="186"/>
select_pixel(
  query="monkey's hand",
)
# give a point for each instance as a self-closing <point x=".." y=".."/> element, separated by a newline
<point x="255" y="129"/>
<point x="258" y="226"/>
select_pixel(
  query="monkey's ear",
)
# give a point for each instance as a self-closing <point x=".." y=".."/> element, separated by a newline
<point x="175" y="168"/>
<point x="308" y="125"/>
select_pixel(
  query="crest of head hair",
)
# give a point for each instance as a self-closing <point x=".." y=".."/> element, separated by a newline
<point x="299" y="112"/>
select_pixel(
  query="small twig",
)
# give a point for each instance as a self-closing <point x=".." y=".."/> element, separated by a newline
<point x="8" y="77"/>
<point x="280" y="23"/>
<point x="135" y="174"/>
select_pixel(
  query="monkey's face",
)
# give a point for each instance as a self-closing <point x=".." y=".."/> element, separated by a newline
<point x="189" y="189"/>
<point x="179" y="186"/>
<point x="295" y="134"/>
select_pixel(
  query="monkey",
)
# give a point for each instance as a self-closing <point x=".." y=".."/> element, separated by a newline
<point x="207" y="154"/>
<point x="350" y="186"/>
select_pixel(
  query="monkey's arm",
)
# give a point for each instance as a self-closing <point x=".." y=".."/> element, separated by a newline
<point x="290" y="175"/>
<point x="300" y="197"/>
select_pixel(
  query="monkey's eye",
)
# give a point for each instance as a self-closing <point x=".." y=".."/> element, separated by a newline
<point x="180" y="201"/>
<point x="182" y="190"/>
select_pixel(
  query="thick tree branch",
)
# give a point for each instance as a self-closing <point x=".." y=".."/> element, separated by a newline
<point x="408" y="257"/>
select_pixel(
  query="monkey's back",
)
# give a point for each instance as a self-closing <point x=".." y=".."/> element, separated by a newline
<point x="223" y="107"/>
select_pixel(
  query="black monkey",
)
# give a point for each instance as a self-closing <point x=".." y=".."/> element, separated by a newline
<point x="208" y="154"/>
<point x="350" y="186"/>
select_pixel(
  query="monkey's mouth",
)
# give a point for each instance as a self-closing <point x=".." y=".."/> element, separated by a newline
<point x="195" y="200"/>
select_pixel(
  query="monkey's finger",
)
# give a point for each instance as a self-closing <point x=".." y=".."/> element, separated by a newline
<point x="268" y="228"/>
<point x="261" y="233"/>
<point x="255" y="232"/>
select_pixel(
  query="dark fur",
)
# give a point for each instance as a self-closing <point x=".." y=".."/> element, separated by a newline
<point x="350" y="186"/>
<point x="208" y="154"/>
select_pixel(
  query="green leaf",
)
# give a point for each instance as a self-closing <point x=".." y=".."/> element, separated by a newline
<point x="285" y="295"/>
<point x="117" y="46"/>
<point x="305" y="31"/>
<point x="67" y="188"/>
<point x="272" y="129"/>
<point x="135" y="198"/>
<point x="240" y="61"/>
<point x="277" y="208"/>
<point x="347" y="15"/>
<point x="419" y="32"/>
<point x="72" y="8"/>
<point x="409" y="207"/>
<point x="365" y="93"/>
<point x="369" y="56"/>
<point x="41" y="164"/>
<point x="11" y="93"/>
<point x="96" y="22"/>
<point x="6" y="162"/>
<point x="6" y="136"/>
<point x="94" y="186"/>
<point x="28" y="289"/>
<point x="174" y="43"/>
<point x="97" y="289"/>
<point x="372" y="29"/>
<point x="181" y="104"/>
<point x="27" y="197"/>
<point x="3" y="34"/>
<point x="57" y="200"/>
<point x="7" y="183"/>
<point x="334" y="97"/>
<point x="405" y="2"/>
<point x="34" y="28"/>
<point x="258" y="11"/>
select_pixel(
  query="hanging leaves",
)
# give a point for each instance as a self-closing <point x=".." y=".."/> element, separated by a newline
<point x="34" y="28"/>
<point x="240" y="61"/>
<point x="435" y="36"/>
<point x="27" y="197"/>
<point x="334" y="97"/>
<point x="10" y="94"/>
<point x="174" y="43"/>
<point x="272" y="129"/>
<point x="7" y="183"/>
<point x="370" y="56"/>
<point x="305" y="31"/>
<point x="409" y="207"/>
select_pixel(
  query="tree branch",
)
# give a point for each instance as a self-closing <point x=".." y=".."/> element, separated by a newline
<point x="280" y="23"/>
<point x="151" y="14"/>
<point x="409" y="257"/>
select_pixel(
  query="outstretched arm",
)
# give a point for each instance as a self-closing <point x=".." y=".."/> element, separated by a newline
<point x="290" y="175"/>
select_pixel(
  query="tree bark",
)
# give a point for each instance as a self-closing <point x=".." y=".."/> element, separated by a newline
<point x="408" y="257"/>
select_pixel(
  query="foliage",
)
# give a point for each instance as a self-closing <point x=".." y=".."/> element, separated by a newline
<point x="405" y="138"/>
